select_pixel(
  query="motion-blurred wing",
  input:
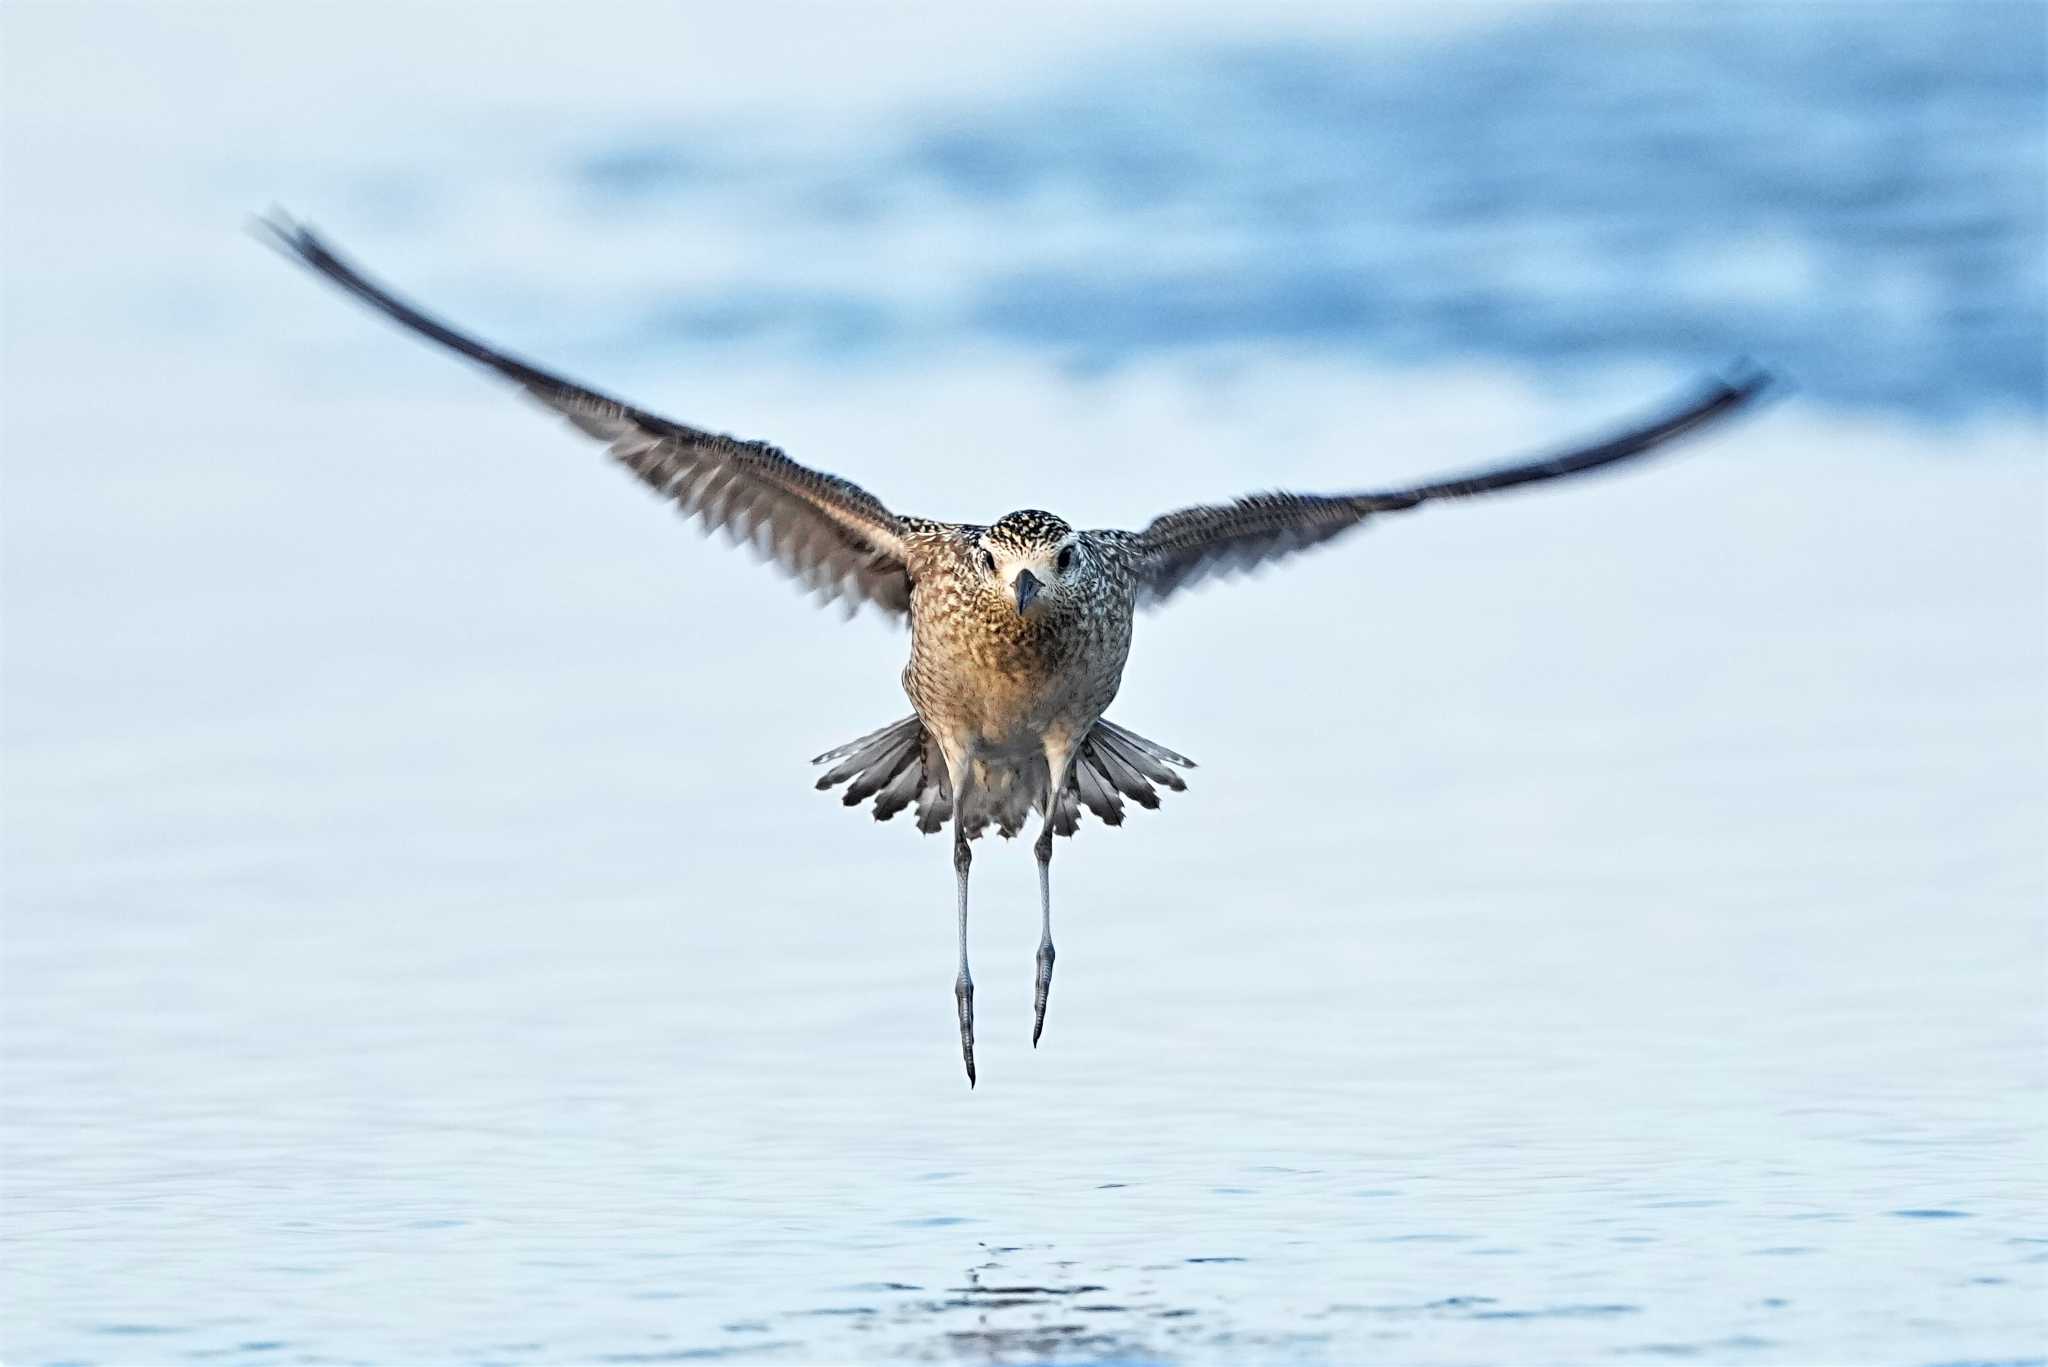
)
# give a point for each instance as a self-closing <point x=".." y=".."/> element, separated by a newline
<point x="1193" y="544"/>
<point x="834" y="536"/>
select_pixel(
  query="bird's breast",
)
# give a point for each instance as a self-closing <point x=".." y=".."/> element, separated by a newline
<point x="1002" y="686"/>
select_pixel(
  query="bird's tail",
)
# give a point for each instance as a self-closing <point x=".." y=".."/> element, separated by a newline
<point x="1115" y="764"/>
<point x="898" y="766"/>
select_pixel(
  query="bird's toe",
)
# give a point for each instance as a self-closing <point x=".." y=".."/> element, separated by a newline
<point x="1042" y="991"/>
<point x="963" y="998"/>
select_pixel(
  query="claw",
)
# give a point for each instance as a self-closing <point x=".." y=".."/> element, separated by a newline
<point x="1045" y="957"/>
<point x="963" y="996"/>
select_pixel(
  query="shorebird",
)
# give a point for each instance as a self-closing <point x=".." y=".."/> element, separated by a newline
<point x="1019" y="628"/>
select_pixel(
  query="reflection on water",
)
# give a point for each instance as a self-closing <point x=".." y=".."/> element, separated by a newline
<point x="999" y="1313"/>
<point x="1148" y="1317"/>
<point x="994" y="1319"/>
<point x="1151" y="1317"/>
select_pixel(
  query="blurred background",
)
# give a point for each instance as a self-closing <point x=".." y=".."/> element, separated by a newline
<point x="1607" y="923"/>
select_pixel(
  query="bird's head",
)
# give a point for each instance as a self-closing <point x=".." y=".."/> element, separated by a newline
<point x="1033" y="560"/>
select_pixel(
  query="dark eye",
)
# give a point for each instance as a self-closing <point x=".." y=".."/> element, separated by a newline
<point x="1066" y="560"/>
<point x="988" y="562"/>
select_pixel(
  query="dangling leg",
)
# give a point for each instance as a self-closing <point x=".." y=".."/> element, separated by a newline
<point x="1059" y="762"/>
<point x="963" y="986"/>
<point x="1043" y="849"/>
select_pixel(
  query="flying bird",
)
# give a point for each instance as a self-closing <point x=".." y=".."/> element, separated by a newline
<point x="1019" y="628"/>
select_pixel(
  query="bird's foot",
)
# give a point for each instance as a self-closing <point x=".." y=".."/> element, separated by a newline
<point x="1044" y="990"/>
<point x="963" y="996"/>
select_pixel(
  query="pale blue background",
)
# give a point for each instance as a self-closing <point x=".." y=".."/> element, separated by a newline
<point x="1607" y="925"/>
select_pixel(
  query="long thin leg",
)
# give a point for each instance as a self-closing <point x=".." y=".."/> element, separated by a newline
<point x="1043" y="849"/>
<point x="963" y="986"/>
<point x="1060" y="751"/>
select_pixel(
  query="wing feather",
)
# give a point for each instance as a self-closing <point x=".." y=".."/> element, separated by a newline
<point x="1207" y="541"/>
<point x="830" y="534"/>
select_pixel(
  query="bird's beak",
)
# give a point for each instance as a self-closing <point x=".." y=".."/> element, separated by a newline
<point x="1027" y="590"/>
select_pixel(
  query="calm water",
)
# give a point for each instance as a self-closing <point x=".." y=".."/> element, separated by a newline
<point x="1604" y="926"/>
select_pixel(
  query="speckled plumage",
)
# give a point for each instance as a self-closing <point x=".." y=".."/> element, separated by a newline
<point x="1019" y="629"/>
<point x="1000" y="689"/>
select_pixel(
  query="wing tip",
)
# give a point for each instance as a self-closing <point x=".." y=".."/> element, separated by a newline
<point x="296" y="240"/>
<point x="1746" y="379"/>
<point x="276" y="228"/>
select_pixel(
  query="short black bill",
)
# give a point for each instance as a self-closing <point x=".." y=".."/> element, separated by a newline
<point x="1027" y="589"/>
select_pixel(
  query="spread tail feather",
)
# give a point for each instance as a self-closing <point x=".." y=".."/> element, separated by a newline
<point x="898" y="766"/>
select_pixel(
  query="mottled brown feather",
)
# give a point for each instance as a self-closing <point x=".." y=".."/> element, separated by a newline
<point x="828" y="533"/>
<point x="1185" y="547"/>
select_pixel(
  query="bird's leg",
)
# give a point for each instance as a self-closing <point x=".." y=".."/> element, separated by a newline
<point x="1060" y="750"/>
<point x="1043" y="849"/>
<point x="963" y="986"/>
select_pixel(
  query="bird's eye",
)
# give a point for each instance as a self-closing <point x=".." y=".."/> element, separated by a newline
<point x="988" y="562"/>
<point x="1066" y="559"/>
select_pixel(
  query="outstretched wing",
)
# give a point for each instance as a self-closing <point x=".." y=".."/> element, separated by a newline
<point x="831" y="534"/>
<point x="1193" y="544"/>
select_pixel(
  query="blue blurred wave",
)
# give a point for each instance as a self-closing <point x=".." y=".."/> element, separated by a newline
<point x="1853" y="193"/>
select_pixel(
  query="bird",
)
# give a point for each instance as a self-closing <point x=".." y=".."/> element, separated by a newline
<point x="1019" y="628"/>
